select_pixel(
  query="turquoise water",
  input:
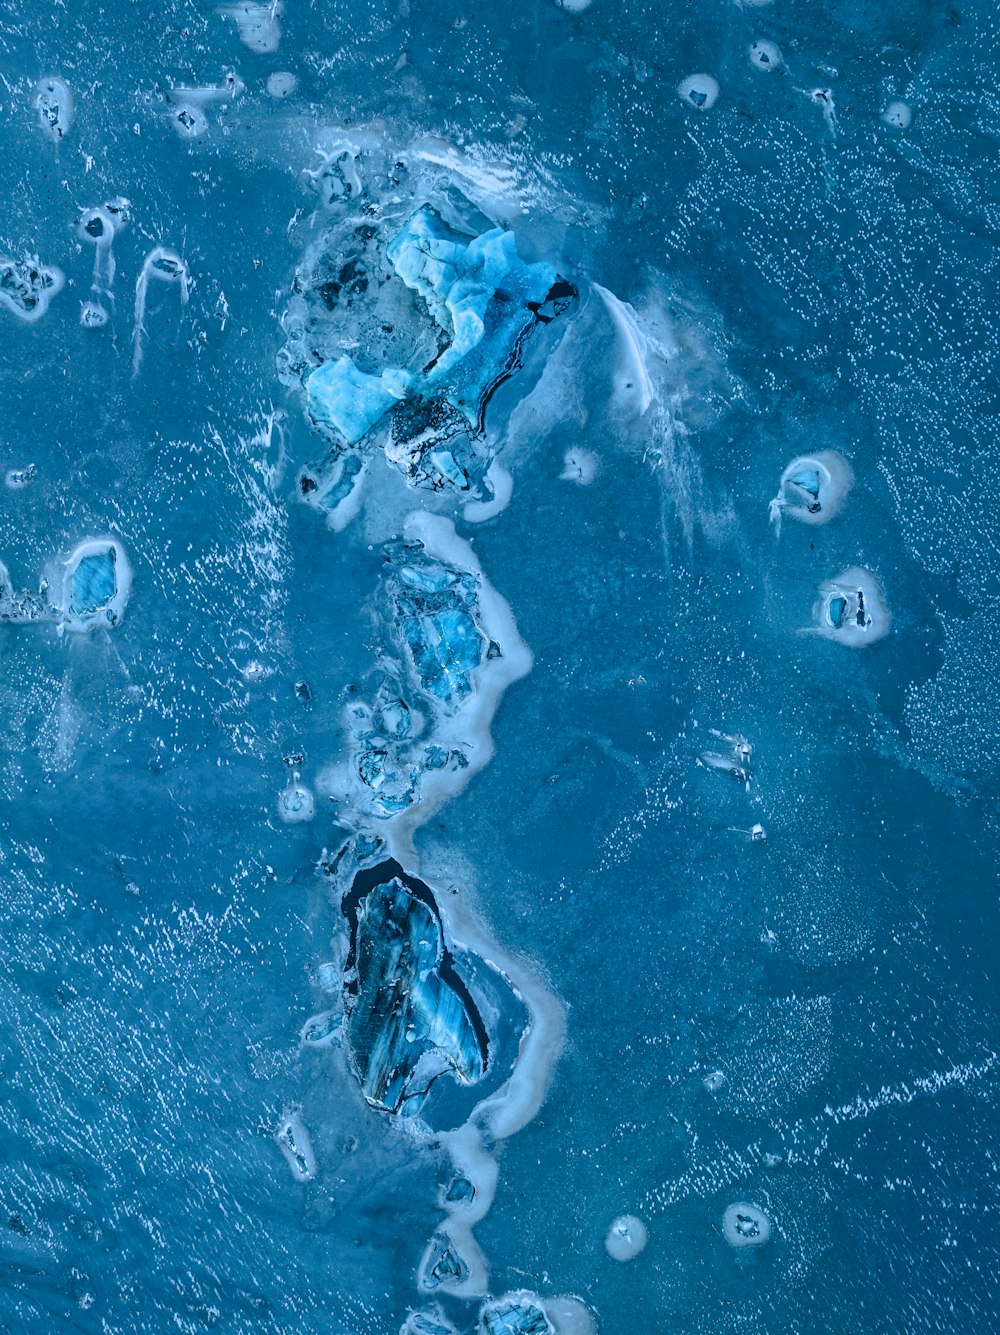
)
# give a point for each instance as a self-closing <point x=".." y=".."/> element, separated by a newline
<point x="719" y="888"/>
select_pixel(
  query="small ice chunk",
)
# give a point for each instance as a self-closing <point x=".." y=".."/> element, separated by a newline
<point x="898" y="115"/>
<point x="745" y="1225"/>
<point x="430" y="1321"/>
<point x="812" y="488"/>
<point x="295" y="1144"/>
<point x="570" y="1315"/>
<point x="442" y="1266"/>
<point x="281" y="84"/>
<point x="851" y="609"/>
<point x="518" y="1313"/>
<point x="296" y="803"/>
<point x="626" y="1237"/>
<point x="27" y="287"/>
<point x="96" y="585"/>
<point x="259" y="24"/>
<point x="16" y="478"/>
<point x="714" y="1081"/>
<point x="700" y="91"/>
<point x="765" y="56"/>
<point x="93" y="316"/>
<point x="54" y="104"/>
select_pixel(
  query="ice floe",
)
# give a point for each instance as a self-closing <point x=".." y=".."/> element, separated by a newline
<point x="700" y="91"/>
<point x="295" y="1144"/>
<point x="54" y="104"/>
<point x="745" y="1225"/>
<point x="259" y="25"/>
<point x="28" y="286"/>
<point x="96" y="585"/>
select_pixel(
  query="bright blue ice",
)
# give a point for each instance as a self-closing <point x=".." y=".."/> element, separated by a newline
<point x="93" y="584"/>
<point x="718" y="878"/>
<point x="406" y="1023"/>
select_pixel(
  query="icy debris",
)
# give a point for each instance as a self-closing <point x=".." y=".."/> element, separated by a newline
<point x="518" y="1313"/>
<point x="765" y="56"/>
<point x="813" y="488"/>
<point x="442" y="1267"/>
<point x="97" y="226"/>
<point x="187" y="104"/>
<point x="96" y="585"/>
<point x="337" y="179"/>
<point x="897" y="115"/>
<point x="22" y="606"/>
<point x="17" y="478"/>
<point x="295" y="1144"/>
<point x="436" y="608"/>
<point x="259" y="24"/>
<point x="54" y="104"/>
<point x="851" y="609"/>
<point x="27" y="287"/>
<point x="700" y="91"/>
<point x="745" y="1225"/>
<point x="410" y="1017"/>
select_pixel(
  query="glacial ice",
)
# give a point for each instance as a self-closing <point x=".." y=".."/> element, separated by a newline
<point x="410" y="1018"/>
<point x="515" y="1314"/>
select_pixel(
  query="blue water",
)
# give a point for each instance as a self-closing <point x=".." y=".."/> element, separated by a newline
<point x="722" y="889"/>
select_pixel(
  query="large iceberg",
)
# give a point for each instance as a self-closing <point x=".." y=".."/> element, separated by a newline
<point x="410" y="1017"/>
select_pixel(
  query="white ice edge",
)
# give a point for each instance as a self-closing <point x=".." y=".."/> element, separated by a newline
<point x="475" y="512"/>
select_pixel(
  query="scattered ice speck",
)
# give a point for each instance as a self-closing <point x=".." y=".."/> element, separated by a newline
<point x="259" y="24"/>
<point x="54" y="104"/>
<point x="296" y="803"/>
<point x="27" y="287"/>
<point x="765" y="56"/>
<point x="281" y="84"/>
<point x="579" y="466"/>
<point x="851" y="609"/>
<point x="626" y="1237"/>
<point x="700" y="91"/>
<point x="812" y="488"/>
<point x="745" y="1225"/>
<point x="898" y="115"/>
<point x="295" y="1144"/>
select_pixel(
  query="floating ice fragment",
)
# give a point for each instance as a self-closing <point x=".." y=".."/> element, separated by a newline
<point x="410" y="1018"/>
<point x="334" y="486"/>
<point x="518" y="1313"/>
<point x="281" y="84"/>
<point x="898" y="115"/>
<point x="16" y="478"/>
<point x="27" y="287"/>
<point x="714" y="1081"/>
<point x="96" y="585"/>
<point x="350" y="401"/>
<point x="626" y="1237"/>
<point x="258" y="24"/>
<point x="579" y="466"/>
<point x="765" y="56"/>
<point x="93" y="316"/>
<point x="745" y="1225"/>
<point x="570" y="1315"/>
<point x="813" y="488"/>
<point x="851" y="609"/>
<point x="336" y="178"/>
<point x="442" y="1267"/>
<point x="735" y="761"/>
<point x="54" y="104"/>
<point x="295" y="1144"/>
<point x="20" y="606"/>
<point x="187" y="104"/>
<point x="700" y="91"/>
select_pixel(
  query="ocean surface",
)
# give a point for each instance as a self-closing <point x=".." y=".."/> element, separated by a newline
<point x="499" y="670"/>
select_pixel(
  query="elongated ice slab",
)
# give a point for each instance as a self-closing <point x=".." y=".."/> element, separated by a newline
<point x="410" y="1017"/>
<point x="295" y="1144"/>
<point x="851" y="609"/>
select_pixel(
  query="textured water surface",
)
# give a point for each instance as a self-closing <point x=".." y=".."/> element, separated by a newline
<point x="498" y="667"/>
